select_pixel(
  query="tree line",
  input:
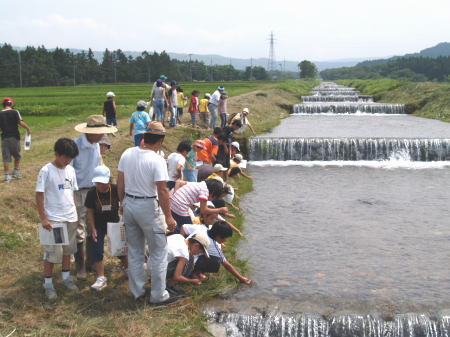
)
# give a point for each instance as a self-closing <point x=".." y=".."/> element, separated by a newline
<point x="415" y="69"/>
<point x="42" y="67"/>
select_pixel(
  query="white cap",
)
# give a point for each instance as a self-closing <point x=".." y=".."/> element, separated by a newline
<point x="236" y="145"/>
<point x="110" y="94"/>
<point x="230" y="196"/>
<point x="238" y="157"/>
<point x="219" y="168"/>
<point x="101" y="174"/>
<point x="142" y="104"/>
<point x="202" y="238"/>
<point x="208" y="95"/>
<point x="245" y="110"/>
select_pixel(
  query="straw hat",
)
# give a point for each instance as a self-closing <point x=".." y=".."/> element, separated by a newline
<point x="156" y="128"/>
<point x="95" y="124"/>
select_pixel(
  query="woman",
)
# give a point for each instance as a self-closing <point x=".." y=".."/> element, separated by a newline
<point x="159" y="100"/>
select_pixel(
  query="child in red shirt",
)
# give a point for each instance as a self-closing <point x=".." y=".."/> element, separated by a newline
<point x="193" y="107"/>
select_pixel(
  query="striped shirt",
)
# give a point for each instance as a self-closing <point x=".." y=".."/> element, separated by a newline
<point x="214" y="248"/>
<point x="188" y="195"/>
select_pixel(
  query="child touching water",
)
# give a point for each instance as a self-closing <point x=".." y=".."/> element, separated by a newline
<point x="102" y="203"/>
<point x="193" y="107"/>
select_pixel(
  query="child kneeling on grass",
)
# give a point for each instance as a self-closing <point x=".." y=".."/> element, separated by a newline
<point x="217" y="235"/>
<point x="55" y="204"/>
<point x="180" y="258"/>
<point x="102" y="203"/>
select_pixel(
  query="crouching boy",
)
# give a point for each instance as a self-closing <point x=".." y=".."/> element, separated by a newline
<point x="217" y="235"/>
<point x="180" y="259"/>
<point x="55" y="204"/>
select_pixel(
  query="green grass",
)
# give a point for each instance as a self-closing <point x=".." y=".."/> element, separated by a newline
<point x="424" y="99"/>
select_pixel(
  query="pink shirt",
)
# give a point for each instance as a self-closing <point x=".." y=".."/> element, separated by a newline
<point x="188" y="195"/>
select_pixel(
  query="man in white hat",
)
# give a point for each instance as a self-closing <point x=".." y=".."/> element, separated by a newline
<point x="84" y="164"/>
<point x="142" y="186"/>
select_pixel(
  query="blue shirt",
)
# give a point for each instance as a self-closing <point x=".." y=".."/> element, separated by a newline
<point x="87" y="160"/>
<point x="140" y="119"/>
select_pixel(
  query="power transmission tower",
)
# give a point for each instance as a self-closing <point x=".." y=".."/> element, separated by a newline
<point x="272" y="63"/>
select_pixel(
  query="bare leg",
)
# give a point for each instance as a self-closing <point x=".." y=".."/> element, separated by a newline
<point x="99" y="268"/>
<point x="48" y="269"/>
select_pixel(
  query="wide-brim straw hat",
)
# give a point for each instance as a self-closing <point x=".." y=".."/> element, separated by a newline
<point x="156" y="128"/>
<point x="95" y="124"/>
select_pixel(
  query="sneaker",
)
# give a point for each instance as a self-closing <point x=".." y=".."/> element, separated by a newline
<point x="81" y="275"/>
<point x="169" y="301"/>
<point x="70" y="284"/>
<point x="175" y="291"/>
<point x="99" y="284"/>
<point x="50" y="293"/>
<point x="8" y="178"/>
<point x="16" y="174"/>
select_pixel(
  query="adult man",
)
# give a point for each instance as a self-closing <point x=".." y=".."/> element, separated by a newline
<point x="208" y="154"/>
<point x="84" y="164"/>
<point x="10" y="119"/>
<point x="228" y="138"/>
<point x="213" y="103"/>
<point x="173" y="103"/>
<point x="141" y="182"/>
<point x="163" y="78"/>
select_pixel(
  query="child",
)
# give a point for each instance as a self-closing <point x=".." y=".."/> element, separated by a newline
<point x="222" y="108"/>
<point x="191" y="193"/>
<point x="139" y="122"/>
<point x="55" y="203"/>
<point x="204" y="111"/>
<point x="217" y="235"/>
<point x="191" y="159"/>
<point x="109" y="109"/>
<point x="235" y="169"/>
<point x="180" y="259"/>
<point x="181" y="103"/>
<point x="159" y="100"/>
<point x="193" y="107"/>
<point x="176" y="162"/>
<point x="173" y="103"/>
<point x="102" y="203"/>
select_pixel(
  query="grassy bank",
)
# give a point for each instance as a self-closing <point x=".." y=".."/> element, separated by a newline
<point x="424" y="99"/>
<point x="23" y="308"/>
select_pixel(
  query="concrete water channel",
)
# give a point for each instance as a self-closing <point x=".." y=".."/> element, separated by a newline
<point x="348" y="227"/>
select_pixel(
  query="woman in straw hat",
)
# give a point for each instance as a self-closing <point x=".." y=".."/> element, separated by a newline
<point x="84" y="164"/>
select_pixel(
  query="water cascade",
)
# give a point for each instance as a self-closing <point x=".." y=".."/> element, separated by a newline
<point x="335" y="92"/>
<point x="326" y="149"/>
<point x="315" y="325"/>
<point x="351" y="107"/>
<point x="336" y="98"/>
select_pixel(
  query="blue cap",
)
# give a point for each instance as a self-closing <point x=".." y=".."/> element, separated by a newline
<point x="163" y="77"/>
<point x="220" y="88"/>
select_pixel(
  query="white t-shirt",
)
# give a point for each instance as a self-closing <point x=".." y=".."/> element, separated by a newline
<point x="214" y="248"/>
<point x="142" y="169"/>
<point x="58" y="186"/>
<point x="176" y="247"/>
<point x="215" y="98"/>
<point x="173" y="161"/>
<point x="174" y="98"/>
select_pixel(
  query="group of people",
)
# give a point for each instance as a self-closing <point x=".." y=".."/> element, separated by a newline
<point x="167" y="101"/>
<point x="174" y="209"/>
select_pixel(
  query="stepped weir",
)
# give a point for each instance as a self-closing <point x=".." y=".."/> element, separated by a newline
<point x="345" y="250"/>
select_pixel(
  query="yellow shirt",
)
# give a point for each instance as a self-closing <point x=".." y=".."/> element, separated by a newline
<point x="181" y="99"/>
<point x="203" y="105"/>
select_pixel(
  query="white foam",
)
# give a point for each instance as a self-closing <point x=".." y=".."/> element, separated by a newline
<point x="386" y="164"/>
<point x="358" y="113"/>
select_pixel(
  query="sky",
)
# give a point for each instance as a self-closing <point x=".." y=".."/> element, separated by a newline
<point x="313" y="30"/>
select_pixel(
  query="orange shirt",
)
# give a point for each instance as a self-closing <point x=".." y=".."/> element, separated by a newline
<point x="211" y="148"/>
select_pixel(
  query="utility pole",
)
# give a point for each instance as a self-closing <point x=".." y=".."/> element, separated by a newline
<point x="229" y="71"/>
<point x="20" y="69"/>
<point x="210" y="70"/>
<point x="251" y="69"/>
<point x="73" y="62"/>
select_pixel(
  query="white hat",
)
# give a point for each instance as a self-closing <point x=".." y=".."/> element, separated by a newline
<point x="238" y="157"/>
<point x="95" y="124"/>
<point x="202" y="238"/>
<point x="101" y="174"/>
<point x="230" y="196"/>
<point x="219" y="168"/>
<point x="208" y="95"/>
<point x="142" y="104"/>
<point x="236" y="145"/>
<point x="110" y="94"/>
<point x="245" y="110"/>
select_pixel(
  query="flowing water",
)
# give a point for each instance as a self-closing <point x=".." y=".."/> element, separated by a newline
<point x="339" y="242"/>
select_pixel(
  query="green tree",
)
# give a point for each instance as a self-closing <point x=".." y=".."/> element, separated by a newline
<point x="307" y="69"/>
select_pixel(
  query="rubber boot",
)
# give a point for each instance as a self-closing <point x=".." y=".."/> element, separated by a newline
<point x="80" y="261"/>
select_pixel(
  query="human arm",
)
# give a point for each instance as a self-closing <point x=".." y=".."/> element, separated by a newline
<point x="41" y="211"/>
<point x="91" y="223"/>
<point x="178" y="274"/>
<point x="131" y="128"/>
<point x="164" y="201"/>
<point x="246" y="175"/>
<point x="228" y="266"/>
<point x="151" y="97"/>
<point x="178" y="174"/>
<point x="204" y="209"/>
<point x="120" y="189"/>
<point x="234" y="228"/>
<point x="25" y="125"/>
<point x="165" y="98"/>
<point x="178" y="184"/>
<point x="114" y="107"/>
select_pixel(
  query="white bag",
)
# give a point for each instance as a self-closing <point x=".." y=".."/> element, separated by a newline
<point x="117" y="239"/>
<point x="151" y="112"/>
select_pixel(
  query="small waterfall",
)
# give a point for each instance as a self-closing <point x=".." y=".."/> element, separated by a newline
<point x="339" y="98"/>
<point x="349" y="108"/>
<point x="326" y="149"/>
<point x="335" y="92"/>
<point x="315" y="325"/>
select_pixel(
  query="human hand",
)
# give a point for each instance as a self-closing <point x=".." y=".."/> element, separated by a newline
<point x="171" y="223"/>
<point x="246" y="281"/>
<point x="195" y="281"/>
<point x="47" y="225"/>
<point x="94" y="235"/>
<point x="223" y="209"/>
